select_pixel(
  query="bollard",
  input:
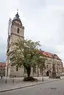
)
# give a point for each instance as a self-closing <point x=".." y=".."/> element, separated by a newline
<point x="42" y="79"/>
<point x="5" y="80"/>
<point x="13" y="80"/>
<point x="1" y="77"/>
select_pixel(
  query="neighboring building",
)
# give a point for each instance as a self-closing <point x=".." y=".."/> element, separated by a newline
<point x="15" y="32"/>
<point x="2" y="68"/>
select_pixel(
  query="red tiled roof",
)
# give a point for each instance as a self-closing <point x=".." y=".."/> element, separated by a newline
<point x="2" y="64"/>
<point x="47" y="54"/>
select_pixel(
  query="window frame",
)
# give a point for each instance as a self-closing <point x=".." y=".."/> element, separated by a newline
<point x="18" y="30"/>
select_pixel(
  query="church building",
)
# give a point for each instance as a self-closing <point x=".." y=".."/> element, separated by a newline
<point x="15" y="32"/>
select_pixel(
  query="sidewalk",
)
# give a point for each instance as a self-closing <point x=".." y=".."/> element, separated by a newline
<point x="18" y="85"/>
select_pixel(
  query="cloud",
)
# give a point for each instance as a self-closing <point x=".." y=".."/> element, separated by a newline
<point x="46" y="25"/>
<point x="6" y="7"/>
<point x="55" y="2"/>
<point x="43" y="21"/>
<point x="2" y="50"/>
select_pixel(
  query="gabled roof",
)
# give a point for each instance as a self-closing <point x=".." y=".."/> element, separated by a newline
<point x="2" y="64"/>
<point x="50" y="55"/>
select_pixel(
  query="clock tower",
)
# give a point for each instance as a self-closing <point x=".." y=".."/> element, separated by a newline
<point x="15" y="32"/>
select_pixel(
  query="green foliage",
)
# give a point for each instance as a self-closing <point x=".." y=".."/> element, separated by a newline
<point x="26" y="53"/>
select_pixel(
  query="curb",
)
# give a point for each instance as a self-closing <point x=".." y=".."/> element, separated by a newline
<point x="28" y="86"/>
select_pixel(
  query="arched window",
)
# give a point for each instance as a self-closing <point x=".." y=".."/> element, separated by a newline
<point x="18" y="30"/>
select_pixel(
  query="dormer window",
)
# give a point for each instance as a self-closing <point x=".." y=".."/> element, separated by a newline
<point x="18" y="30"/>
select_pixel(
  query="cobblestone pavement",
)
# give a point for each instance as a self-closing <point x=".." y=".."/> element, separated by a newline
<point x="10" y="83"/>
<point x="50" y="88"/>
<point x="18" y="83"/>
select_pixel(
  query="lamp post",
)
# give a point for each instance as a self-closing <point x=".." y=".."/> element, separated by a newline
<point x="53" y="69"/>
<point x="42" y="68"/>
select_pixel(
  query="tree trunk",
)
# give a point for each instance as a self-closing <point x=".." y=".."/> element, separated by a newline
<point x="28" y="71"/>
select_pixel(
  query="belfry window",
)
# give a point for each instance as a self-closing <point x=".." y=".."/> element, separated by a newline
<point x="18" y="30"/>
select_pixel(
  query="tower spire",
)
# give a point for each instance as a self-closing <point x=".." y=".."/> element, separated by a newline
<point x="17" y="17"/>
<point x="17" y="10"/>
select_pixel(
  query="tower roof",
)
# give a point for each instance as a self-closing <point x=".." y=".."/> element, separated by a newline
<point x="17" y="18"/>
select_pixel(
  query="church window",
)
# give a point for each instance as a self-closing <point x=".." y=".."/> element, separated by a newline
<point x="18" y="30"/>
<point x="16" y="68"/>
<point x="47" y="66"/>
<point x="34" y="69"/>
<point x="41" y="69"/>
<point x="25" y="70"/>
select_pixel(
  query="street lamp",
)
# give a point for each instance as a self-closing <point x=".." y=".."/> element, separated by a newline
<point x="53" y="69"/>
<point x="43" y="65"/>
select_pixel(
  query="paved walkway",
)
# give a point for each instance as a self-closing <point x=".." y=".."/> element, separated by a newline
<point x="51" y="88"/>
<point x="20" y="84"/>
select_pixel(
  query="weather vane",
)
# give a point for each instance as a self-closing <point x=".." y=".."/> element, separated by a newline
<point x="17" y="10"/>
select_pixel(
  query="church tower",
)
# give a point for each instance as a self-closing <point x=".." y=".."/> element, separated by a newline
<point x="15" y="32"/>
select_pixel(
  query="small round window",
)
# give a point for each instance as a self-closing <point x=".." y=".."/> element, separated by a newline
<point x="18" y="30"/>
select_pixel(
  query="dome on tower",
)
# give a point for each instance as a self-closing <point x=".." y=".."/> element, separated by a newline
<point x="17" y="18"/>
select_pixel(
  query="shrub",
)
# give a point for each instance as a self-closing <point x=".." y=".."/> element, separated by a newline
<point x="29" y="79"/>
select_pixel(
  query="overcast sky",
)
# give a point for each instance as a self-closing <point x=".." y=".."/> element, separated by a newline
<point x="43" y="21"/>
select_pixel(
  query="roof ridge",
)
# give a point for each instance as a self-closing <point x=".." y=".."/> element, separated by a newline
<point x="50" y="55"/>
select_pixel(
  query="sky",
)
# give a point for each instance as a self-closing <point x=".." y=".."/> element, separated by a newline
<point x="43" y="21"/>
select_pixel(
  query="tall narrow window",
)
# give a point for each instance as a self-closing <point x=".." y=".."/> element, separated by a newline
<point x="18" y="30"/>
<point x="34" y="69"/>
<point x="16" y="68"/>
<point x="25" y="70"/>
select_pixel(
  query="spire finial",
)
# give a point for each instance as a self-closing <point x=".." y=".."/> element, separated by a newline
<point x="17" y="10"/>
<point x="17" y="15"/>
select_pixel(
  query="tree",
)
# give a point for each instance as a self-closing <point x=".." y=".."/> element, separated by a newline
<point x="26" y="53"/>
